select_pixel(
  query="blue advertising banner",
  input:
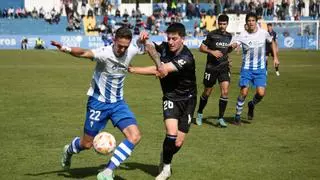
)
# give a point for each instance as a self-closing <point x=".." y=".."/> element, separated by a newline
<point x="91" y="42"/>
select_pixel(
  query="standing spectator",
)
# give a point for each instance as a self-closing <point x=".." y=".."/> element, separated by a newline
<point x="265" y="8"/>
<point x="41" y="13"/>
<point x="96" y="7"/>
<point x="301" y="6"/>
<point x="125" y="14"/>
<point x="24" y="43"/>
<point x="133" y="13"/>
<point x="243" y="6"/>
<point x="34" y="13"/>
<point x="318" y="9"/>
<point x="118" y="15"/>
<point x="313" y="9"/>
<point x="11" y="12"/>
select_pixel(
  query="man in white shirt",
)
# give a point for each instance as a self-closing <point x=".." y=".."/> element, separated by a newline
<point x="106" y="98"/>
<point x="253" y="69"/>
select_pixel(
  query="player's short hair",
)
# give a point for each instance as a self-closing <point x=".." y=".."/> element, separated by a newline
<point x="177" y="28"/>
<point x="123" y="32"/>
<point x="269" y="24"/>
<point x="251" y="15"/>
<point x="223" y="18"/>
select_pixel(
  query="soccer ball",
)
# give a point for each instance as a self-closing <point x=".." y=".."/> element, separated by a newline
<point x="104" y="143"/>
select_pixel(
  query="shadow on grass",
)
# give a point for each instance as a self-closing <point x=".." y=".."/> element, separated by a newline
<point x="79" y="173"/>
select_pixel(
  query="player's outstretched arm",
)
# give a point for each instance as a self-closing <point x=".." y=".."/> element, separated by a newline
<point x="74" y="51"/>
<point x="149" y="70"/>
<point x="275" y="54"/>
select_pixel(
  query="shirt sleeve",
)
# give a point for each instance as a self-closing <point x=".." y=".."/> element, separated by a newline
<point x="207" y="40"/>
<point x="159" y="47"/>
<point x="138" y="48"/>
<point x="236" y="39"/>
<point x="268" y="36"/>
<point x="99" y="54"/>
<point x="183" y="62"/>
<point x="275" y="36"/>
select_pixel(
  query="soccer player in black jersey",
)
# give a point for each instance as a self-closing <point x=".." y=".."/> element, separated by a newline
<point x="179" y="91"/>
<point x="269" y="46"/>
<point x="216" y="46"/>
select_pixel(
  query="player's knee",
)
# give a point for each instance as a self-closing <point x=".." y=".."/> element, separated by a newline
<point x="86" y="144"/>
<point x="179" y="143"/>
<point x="244" y="94"/>
<point x="134" y="137"/>
<point x="224" y="94"/>
<point x="260" y="93"/>
<point x="204" y="97"/>
<point x="259" y="96"/>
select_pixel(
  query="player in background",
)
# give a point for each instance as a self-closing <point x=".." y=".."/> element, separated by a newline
<point x="106" y="98"/>
<point x="269" y="46"/>
<point x="216" y="46"/>
<point x="253" y="69"/>
<point x="179" y="91"/>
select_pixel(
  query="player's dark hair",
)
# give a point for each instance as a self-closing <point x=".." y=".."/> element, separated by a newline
<point x="223" y="18"/>
<point x="123" y="32"/>
<point x="269" y="24"/>
<point x="251" y="15"/>
<point x="177" y="28"/>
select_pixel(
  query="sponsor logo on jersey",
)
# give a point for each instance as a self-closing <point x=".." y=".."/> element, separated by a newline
<point x="221" y="44"/>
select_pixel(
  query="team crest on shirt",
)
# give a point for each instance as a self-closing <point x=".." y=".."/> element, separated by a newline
<point x="181" y="62"/>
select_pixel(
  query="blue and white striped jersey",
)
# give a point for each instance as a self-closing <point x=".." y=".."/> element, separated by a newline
<point x="110" y="72"/>
<point x="253" y="49"/>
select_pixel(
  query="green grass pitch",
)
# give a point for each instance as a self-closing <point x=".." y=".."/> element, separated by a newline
<point x="42" y="107"/>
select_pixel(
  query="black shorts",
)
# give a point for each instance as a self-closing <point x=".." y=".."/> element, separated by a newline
<point x="212" y="74"/>
<point x="269" y="51"/>
<point x="181" y="110"/>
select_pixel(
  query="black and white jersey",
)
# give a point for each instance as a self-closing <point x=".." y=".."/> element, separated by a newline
<point x="217" y="40"/>
<point x="274" y="37"/>
<point x="181" y="84"/>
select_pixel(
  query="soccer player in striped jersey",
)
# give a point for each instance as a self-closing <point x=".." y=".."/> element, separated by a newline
<point x="253" y="69"/>
<point x="106" y="98"/>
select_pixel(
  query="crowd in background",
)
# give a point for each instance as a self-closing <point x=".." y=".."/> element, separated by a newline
<point x="165" y="12"/>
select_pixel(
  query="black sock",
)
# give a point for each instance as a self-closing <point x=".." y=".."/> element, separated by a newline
<point x="169" y="148"/>
<point x="277" y="68"/>
<point x="267" y="64"/>
<point x="222" y="106"/>
<point x="203" y="103"/>
<point x="256" y="99"/>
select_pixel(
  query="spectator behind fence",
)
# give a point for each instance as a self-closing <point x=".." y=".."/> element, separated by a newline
<point x="24" y="43"/>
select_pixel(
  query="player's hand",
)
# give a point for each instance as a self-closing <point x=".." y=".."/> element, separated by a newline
<point x="130" y="69"/>
<point x="144" y="36"/>
<point x="161" y="72"/>
<point x="56" y="44"/>
<point x="217" y="54"/>
<point x="276" y="62"/>
<point x="234" y="45"/>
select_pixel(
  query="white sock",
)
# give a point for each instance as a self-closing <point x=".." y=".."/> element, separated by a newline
<point x="107" y="172"/>
<point x="167" y="167"/>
